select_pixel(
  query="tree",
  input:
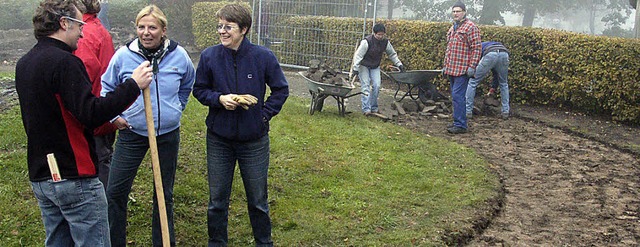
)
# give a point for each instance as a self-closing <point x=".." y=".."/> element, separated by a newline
<point x="532" y="8"/>
<point x="615" y="12"/>
<point x="436" y="10"/>
<point x="492" y="12"/>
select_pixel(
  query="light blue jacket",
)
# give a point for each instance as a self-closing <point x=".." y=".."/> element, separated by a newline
<point x="171" y="85"/>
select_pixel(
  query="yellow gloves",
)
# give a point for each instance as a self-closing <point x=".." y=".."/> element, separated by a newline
<point x="245" y="100"/>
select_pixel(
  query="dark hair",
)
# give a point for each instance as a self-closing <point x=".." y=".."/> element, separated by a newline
<point x="236" y="13"/>
<point x="89" y="6"/>
<point x="46" y="20"/>
<point x="379" y="28"/>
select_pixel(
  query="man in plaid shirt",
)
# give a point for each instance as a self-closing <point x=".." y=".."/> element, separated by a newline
<point x="461" y="58"/>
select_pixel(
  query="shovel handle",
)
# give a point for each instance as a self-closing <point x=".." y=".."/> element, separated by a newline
<point x="155" y="162"/>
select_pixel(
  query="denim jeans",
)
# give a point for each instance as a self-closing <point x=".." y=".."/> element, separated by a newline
<point x="458" y="91"/>
<point x="74" y="212"/>
<point x="370" y="86"/>
<point x="498" y="63"/>
<point x="129" y="151"/>
<point x="253" y="161"/>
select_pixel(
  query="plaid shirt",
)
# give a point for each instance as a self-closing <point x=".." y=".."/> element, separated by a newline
<point x="463" y="48"/>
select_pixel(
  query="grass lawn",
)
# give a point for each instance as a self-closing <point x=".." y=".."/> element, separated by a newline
<point x="333" y="181"/>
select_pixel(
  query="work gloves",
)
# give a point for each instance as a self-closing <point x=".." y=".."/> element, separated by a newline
<point x="245" y="100"/>
<point x="471" y="72"/>
<point x="402" y="68"/>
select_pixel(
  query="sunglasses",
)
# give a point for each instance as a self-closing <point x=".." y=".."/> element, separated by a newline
<point x="75" y="20"/>
<point x="227" y="27"/>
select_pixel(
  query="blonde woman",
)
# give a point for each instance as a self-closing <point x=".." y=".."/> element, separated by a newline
<point x="173" y="79"/>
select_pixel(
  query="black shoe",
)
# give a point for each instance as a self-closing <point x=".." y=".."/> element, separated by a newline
<point x="456" y="130"/>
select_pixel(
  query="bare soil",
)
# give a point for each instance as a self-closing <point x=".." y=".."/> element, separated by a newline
<point x="569" y="179"/>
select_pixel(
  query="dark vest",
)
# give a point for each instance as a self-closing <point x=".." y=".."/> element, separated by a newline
<point x="373" y="56"/>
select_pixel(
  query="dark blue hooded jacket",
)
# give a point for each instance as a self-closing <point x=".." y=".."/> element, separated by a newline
<point x="249" y="70"/>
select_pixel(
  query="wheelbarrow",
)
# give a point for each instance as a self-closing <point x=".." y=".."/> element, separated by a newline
<point x="418" y="83"/>
<point x="320" y="91"/>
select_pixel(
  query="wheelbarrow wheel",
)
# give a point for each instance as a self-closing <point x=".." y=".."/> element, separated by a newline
<point x="428" y="93"/>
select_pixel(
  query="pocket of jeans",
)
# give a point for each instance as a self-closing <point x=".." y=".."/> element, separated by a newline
<point x="69" y="193"/>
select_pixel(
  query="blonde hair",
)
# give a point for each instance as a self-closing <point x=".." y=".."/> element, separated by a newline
<point x="155" y="12"/>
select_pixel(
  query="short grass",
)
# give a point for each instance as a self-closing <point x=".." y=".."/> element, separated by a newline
<point x="347" y="181"/>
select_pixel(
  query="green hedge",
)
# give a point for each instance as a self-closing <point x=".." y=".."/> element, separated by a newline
<point x="592" y="74"/>
<point x="204" y="22"/>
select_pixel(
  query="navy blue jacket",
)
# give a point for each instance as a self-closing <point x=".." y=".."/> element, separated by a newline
<point x="249" y="70"/>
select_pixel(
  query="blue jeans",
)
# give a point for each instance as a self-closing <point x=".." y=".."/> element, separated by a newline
<point x="253" y="161"/>
<point x="74" y="212"/>
<point x="129" y="151"/>
<point x="370" y="86"/>
<point x="458" y="91"/>
<point x="498" y="63"/>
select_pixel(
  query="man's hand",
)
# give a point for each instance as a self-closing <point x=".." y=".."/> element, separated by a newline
<point x="471" y="72"/>
<point x="143" y="75"/>
<point x="228" y="102"/>
<point x="402" y="68"/>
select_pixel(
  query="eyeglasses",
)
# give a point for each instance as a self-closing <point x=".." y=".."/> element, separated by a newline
<point x="227" y="27"/>
<point x="75" y="20"/>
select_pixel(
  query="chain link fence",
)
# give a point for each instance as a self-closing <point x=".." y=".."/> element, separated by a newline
<point x="271" y="29"/>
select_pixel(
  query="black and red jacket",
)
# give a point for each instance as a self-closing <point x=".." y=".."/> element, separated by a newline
<point x="59" y="111"/>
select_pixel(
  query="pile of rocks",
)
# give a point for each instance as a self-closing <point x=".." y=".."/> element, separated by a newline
<point x="324" y="73"/>
<point x="416" y="108"/>
<point x="413" y="110"/>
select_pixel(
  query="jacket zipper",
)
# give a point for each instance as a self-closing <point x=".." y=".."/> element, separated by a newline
<point x="235" y="71"/>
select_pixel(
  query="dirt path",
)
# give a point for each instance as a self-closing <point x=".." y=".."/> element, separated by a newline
<point x="568" y="179"/>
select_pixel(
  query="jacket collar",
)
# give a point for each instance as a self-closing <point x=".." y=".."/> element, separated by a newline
<point x="167" y="46"/>
<point x="89" y="17"/>
<point x="242" y="49"/>
<point x="55" y="42"/>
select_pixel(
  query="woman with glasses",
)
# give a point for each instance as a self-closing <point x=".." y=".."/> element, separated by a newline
<point x="173" y="77"/>
<point x="232" y="80"/>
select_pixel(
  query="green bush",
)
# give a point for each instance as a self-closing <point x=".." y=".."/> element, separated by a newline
<point x="205" y="21"/>
<point x="591" y="74"/>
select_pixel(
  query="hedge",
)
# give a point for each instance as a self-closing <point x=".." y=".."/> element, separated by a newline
<point x="591" y="74"/>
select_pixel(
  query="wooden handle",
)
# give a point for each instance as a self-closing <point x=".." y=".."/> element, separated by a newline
<point x="53" y="167"/>
<point x="155" y="162"/>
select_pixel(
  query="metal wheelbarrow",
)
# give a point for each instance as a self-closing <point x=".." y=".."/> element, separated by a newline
<point x="320" y="91"/>
<point x="419" y="85"/>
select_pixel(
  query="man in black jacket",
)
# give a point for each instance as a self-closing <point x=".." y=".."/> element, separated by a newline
<point x="59" y="113"/>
